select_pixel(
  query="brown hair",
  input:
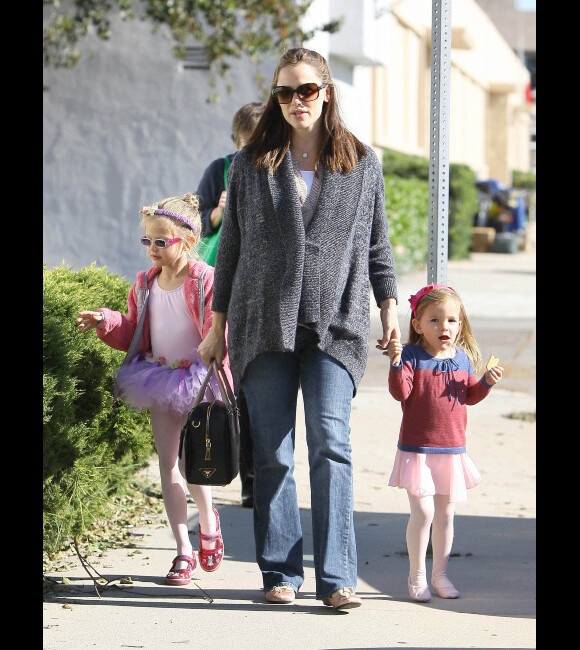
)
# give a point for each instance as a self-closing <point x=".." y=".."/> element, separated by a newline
<point x="245" y="121"/>
<point x="465" y="337"/>
<point x="340" y="150"/>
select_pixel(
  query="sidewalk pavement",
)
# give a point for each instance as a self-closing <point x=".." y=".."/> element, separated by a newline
<point x="493" y="556"/>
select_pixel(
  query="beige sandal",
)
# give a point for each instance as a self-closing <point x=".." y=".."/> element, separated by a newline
<point x="344" y="598"/>
<point x="281" y="594"/>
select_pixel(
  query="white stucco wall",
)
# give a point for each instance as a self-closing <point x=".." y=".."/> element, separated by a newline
<point x="122" y="129"/>
<point x="130" y="125"/>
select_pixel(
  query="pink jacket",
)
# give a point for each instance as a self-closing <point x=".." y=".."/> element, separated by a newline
<point x="117" y="330"/>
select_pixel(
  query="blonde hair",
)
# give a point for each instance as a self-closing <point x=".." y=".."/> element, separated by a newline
<point x="465" y="338"/>
<point x="186" y="206"/>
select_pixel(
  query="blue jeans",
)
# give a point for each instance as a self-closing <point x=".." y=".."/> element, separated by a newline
<point x="271" y="385"/>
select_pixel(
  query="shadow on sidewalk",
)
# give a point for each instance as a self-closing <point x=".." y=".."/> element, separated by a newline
<point x="492" y="562"/>
<point x="492" y="565"/>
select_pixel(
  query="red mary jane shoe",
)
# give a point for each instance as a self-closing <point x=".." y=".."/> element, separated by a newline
<point x="210" y="559"/>
<point x="181" y="576"/>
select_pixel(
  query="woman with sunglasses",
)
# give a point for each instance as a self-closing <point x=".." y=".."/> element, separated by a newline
<point x="166" y="373"/>
<point x="303" y="232"/>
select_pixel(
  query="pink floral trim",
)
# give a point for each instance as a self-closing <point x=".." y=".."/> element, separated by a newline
<point x="162" y="361"/>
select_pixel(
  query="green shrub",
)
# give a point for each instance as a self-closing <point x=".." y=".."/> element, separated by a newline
<point x="524" y="180"/>
<point x="405" y="165"/>
<point x="89" y="452"/>
<point x="407" y="206"/>
<point x="463" y="205"/>
<point x="409" y="215"/>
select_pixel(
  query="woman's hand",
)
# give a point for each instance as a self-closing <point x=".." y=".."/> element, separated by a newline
<point x="390" y="321"/>
<point x="213" y="345"/>
<point x="88" y="320"/>
<point x="494" y="375"/>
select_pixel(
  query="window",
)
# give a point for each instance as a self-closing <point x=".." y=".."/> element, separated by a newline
<point x="195" y="58"/>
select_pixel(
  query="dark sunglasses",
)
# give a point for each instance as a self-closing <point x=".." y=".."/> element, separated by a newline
<point x="306" y="92"/>
<point x="160" y="243"/>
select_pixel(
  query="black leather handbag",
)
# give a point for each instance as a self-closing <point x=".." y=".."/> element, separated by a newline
<point x="209" y="446"/>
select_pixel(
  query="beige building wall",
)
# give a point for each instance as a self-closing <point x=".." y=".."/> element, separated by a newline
<point x="489" y="117"/>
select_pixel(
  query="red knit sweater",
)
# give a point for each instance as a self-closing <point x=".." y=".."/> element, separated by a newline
<point x="434" y="394"/>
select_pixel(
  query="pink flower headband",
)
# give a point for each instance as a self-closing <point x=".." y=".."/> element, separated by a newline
<point x="414" y="300"/>
<point x="168" y="213"/>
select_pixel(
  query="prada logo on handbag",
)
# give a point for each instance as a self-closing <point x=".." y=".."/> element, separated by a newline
<point x="207" y="471"/>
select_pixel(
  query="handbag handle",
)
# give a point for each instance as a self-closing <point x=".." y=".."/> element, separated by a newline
<point x="223" y="383"/>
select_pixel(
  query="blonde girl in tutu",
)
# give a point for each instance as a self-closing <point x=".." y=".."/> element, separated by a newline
<point x="433" y="377"/>
<point x="166" y="373"/>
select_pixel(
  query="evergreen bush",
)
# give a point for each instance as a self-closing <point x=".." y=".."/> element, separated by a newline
<point x="89" y="452"/>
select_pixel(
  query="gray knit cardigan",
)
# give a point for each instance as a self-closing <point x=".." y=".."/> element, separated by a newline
<point x="271" y="274"/>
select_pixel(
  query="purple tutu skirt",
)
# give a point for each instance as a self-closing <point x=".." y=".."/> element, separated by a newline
<point x="146" y="384"/>
<point x="428" y="474"/>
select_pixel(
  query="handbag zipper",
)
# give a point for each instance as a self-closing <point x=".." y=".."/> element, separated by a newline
<point x="207" y="438"/>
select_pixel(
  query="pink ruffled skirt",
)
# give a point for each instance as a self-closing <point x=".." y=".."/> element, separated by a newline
<point x="428" y="474"/>
<point x="146" y="384"/>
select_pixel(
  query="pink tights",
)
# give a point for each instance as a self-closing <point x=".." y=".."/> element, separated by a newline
<point x="429" y="511"/>
<point x="166" y="430"/>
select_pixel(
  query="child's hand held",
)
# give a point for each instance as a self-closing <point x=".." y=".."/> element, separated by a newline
<point x="394" y="350"/>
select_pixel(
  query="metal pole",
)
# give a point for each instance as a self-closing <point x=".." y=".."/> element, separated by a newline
<point x="439" y="145"/>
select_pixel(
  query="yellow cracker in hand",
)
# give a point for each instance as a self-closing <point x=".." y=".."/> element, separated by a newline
<point x="492" y="362"/>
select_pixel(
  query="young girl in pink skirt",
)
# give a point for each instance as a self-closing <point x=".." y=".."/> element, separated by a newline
<point x="433" y="378"/>
<point x="166" y="372"/>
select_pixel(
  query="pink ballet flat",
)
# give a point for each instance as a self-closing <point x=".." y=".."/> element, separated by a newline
<point x="419" y="593"/>
<point x="444" y="588"/>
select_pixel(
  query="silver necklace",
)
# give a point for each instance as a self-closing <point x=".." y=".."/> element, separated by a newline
<point x="304" y="154"/>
